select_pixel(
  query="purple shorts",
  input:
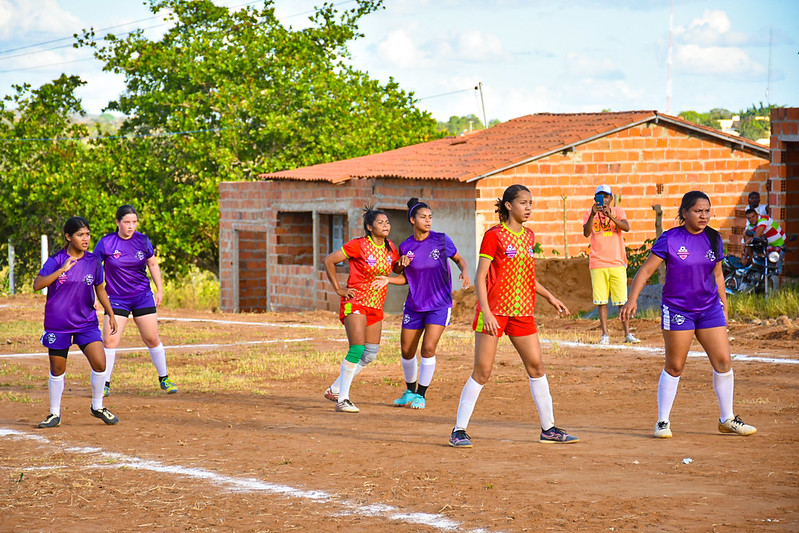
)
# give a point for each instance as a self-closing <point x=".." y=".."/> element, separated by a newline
<point x="62" y="341"/>
<point x="419" y="319"/>
<point x="673" y="319"/>
<point x="139" y="305"/>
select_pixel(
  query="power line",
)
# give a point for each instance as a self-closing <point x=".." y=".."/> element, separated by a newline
<point x="446" y="94"/>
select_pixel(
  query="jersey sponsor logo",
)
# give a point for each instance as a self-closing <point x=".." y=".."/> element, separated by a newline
<point x="683" y="252"/>
<point x="435" y="254"/>
<point x="140" y="255"/>
<point x="117" y="254"/>
<point x="711" y="255"/>
<point x="51" y="338"/>
<point x="88" y="279"/>
<point x="678" y="319"/>
<point x="371" y="260"/>
<point x="510" y="251"/>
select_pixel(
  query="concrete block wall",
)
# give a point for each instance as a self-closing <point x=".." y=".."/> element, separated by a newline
<point x="784" y="178"/>
<point x="644" y="165"/>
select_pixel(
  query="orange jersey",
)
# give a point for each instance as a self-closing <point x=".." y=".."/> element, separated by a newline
<point x="607" y="242"/>
<point x="511" y="276"/>
<point x="367" y="261"/>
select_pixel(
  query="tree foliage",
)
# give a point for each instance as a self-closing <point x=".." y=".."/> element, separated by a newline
<point x="223" y="95"/>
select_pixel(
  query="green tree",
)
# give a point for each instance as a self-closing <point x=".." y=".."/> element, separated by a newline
<point x="257" y="96"/>
<point x="704" y="119"/>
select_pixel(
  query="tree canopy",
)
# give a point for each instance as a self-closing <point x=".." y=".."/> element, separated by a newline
<point x="223" y="95"/>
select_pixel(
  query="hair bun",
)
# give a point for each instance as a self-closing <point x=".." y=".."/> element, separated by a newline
<point x="412" y="202"/>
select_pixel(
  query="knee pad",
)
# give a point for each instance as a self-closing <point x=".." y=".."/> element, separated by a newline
<point x="369" y="353"/>
<point x="355" y="353"/>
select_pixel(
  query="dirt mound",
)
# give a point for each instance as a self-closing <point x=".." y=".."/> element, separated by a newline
<point x="568" y="279"/>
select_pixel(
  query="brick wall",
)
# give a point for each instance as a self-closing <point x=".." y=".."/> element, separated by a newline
<point x="784" y="178"/>
<point x="645" y="165"/>
<point x="293" y="246"/>
<point x="252" y="270"/>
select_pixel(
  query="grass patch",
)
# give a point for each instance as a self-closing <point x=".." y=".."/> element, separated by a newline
<point x="18" y="398"/>
<point x="749" y="306"/>
<point x="199" y="289"/>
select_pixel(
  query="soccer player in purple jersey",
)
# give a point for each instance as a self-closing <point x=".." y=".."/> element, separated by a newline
<point x="694" y="303"/>
<point x="127" y="254"/>
<point x="425" y="259"/>
<point x="73" y="277"/>
<point x="506" y="289"/>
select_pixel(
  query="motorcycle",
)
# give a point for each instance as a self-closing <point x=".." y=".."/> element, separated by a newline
<point x="761" y="275"/>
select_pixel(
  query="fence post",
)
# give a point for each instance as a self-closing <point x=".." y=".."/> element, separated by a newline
<point x="11" y="282"/>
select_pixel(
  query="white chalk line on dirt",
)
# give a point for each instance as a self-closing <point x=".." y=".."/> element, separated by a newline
<point x="242" y="323"/>
<point x="242" y="485"/>
<point x="661" y="351"/>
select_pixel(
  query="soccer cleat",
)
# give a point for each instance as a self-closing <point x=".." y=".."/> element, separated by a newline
<point x="736" y="425"/>
<point x="346" y="406"/>
<point x="557" y="435"/>
<point x="330" y="395"/>
<point x="419" y="402"/>
<point x="52" y="421"/>
<point x="168" y="385"/>
<point x="459" y="439"/>
<point x="105" y="415"/>
<point x="106" y="390"/>
<point x="663" y="429"/>
<point x="631" y="339"/>
<point x="604" y="339"/>
<point x="407" y="398"/>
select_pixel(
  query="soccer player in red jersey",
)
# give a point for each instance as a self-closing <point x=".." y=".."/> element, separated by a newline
<point x="506" y="289"/>
<point x="362" y="299"/>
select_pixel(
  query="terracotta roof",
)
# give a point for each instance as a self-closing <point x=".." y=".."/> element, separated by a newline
<point x="485" y="152"/>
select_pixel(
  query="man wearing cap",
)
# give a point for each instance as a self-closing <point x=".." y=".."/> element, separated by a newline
<point x="604" y="225"/>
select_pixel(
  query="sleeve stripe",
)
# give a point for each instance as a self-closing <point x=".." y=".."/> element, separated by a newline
<point x="490" y="258"/>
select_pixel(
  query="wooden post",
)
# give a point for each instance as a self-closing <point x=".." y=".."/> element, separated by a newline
<point x="658" y="232"/>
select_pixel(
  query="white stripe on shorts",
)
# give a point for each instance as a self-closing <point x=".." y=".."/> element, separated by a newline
<point x="666" y="317"/>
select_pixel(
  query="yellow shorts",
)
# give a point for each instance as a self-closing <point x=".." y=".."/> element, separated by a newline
<point x="610" y="281"/>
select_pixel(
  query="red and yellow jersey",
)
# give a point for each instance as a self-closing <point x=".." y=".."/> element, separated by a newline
<point x="511" y="276"/>
<point x="367" y="261"/>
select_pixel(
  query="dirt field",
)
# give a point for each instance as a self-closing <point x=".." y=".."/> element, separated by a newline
<point x="283" y="459"/>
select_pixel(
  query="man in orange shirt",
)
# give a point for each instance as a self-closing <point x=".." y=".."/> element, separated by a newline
<point x="604" y="225"/>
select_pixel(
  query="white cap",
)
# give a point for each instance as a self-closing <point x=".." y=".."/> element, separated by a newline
<point x="603" y="188"/>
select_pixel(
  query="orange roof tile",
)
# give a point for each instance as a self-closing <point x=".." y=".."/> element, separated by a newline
<point x="484" y="152"/>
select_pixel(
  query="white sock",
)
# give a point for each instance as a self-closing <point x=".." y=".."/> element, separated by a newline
<point x="110" y="359"/>
<point x="55" y="386"/>
<point x="335" y="388"/>
<point x="347" y="375"/>
<point x="158" y="355"/>
<point x="724" y="384"/>
<point x="426" y="370"/>
<point x="667" y="391"/>
<point x="409" y="369"/>
<point x="98" y="383"/>
<point x="469" y="395"/>
<point x="539" y="387"/>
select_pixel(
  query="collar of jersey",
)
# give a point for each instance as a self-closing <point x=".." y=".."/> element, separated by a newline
<point x="373" y="242"/>
<point x="511" y="231"/>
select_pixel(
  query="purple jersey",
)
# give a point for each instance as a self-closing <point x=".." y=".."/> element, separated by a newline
<point x="70" y="298"/>
<point x="125" y="263"/>
<point x="428" y="275"/>
<point x="690" y="261"/>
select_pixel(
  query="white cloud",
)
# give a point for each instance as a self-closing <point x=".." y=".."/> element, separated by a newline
<point x="712" y="28"/>
<point x="475" y="45"/>
<point x="582" y="66"/>
<point x="400" y="50"/>
<point x="23" y="17"/>
<point x="716" y="60"/>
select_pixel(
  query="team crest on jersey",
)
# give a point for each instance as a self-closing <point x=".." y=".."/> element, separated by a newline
<point x="62" y="278"/>
<point x="435" y="254"/>
<point x="88" y="279"/>
<point x="51" y="338"/>
<point x="117" y="254"/>
<point x="678" y="319"/>
<point x="683" y="252"/>
<point x="531" y="251"/>
<point x="510" y="251"/>
<point x="410" y="254"/>
<point x="371" y="260"/>
<point x="711" y="255"/>
<point x="140" y="255"/>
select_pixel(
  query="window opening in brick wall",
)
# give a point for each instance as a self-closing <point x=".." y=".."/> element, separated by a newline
<point x="333" y="229"/>
<point x="294" y="232"/>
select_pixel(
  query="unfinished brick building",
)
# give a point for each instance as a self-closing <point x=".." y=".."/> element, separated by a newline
<point x="275" y="232"/>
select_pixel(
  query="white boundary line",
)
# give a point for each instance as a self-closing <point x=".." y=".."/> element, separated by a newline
<point x="243" y="485"/>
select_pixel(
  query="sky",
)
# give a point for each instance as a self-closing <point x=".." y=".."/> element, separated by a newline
<point x="528" y="56"/>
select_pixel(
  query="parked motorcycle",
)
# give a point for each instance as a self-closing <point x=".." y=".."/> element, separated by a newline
<point x="760" y="276"/>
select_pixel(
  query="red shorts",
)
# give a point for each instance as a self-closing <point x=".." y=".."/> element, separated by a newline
<point x="373" y="315"/>
<point x="514" y="326"/>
